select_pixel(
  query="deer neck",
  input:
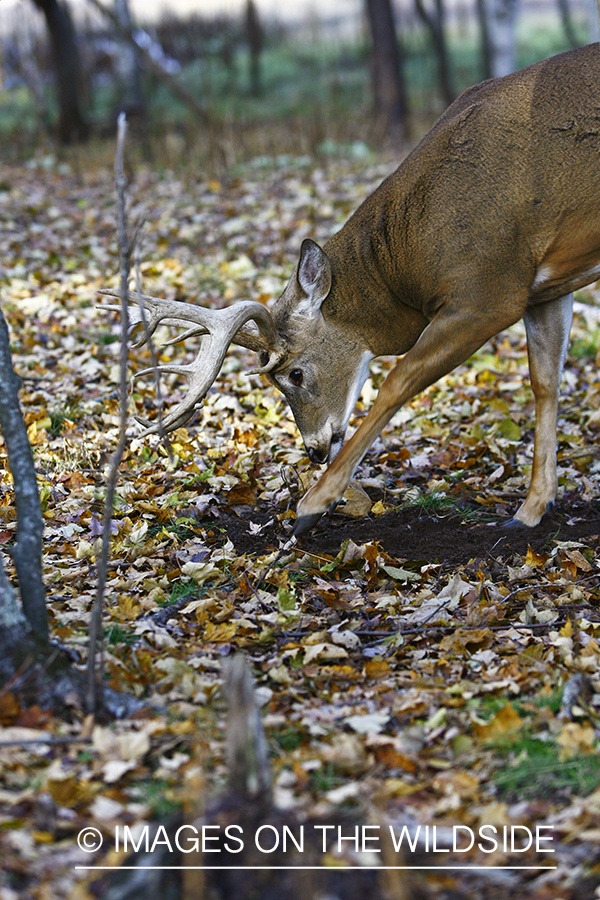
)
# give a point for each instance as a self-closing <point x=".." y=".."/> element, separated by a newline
<point x="371" y="293"/>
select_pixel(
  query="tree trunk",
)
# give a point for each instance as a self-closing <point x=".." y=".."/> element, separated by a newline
<point x="497" y="20"/>
<point x="16" y="641"/>
<point x="132" y="103"/>
<point x="567" y="22"/>
<point x="27" y="552"/>
<point x="435" y="23"/>
<point x="486" y="60"/>
<point x="388" y="82"/>
<point x="71" y="123"/>
<point x="254" y="36"/>
<point x="593" y="18"/>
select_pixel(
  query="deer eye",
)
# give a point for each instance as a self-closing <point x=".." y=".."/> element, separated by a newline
<point x="296" y="377"/>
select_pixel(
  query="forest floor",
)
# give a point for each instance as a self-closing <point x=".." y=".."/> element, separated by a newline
<point x="419" y="660"/>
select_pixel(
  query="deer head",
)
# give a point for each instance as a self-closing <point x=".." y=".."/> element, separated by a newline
<point x="324" y="366"/>
<point x="318" y="365"/>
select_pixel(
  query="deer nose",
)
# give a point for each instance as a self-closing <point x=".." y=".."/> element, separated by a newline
<point x="317" y="455"/>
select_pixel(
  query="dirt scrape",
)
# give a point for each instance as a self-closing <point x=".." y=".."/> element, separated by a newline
<point x="405" y="534"/>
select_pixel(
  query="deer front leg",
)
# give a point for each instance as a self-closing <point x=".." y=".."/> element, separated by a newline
<point x="449" y="339"/>
<point x="548" y="328"/>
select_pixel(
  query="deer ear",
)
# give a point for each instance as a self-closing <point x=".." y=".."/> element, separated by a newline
<point x="314" y="278"/>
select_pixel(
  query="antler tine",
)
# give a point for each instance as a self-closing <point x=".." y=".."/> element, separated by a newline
<point x="173" y="312"/>
<point x="159" y="311"/>
<point x="217" y="329"/>
<point x="221" y="327"/>
<point x="151" y="323"/>
<point x="256" y="342"/>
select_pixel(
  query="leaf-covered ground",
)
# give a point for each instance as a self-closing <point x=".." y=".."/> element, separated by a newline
<point x="416" y="659"/>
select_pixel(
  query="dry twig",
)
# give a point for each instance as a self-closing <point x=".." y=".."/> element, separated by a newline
<point x="94" y="683"/>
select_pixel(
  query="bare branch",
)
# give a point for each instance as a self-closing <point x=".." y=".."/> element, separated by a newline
<point x="155" y="61"/>
<point x="247" y="755"/>
<point x="94" y="686"/>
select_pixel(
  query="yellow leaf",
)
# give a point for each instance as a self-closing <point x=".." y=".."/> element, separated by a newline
<point x="43" y="837"/>
<point x="127" y="608"/>
<point x="280" y="675"/>
<point x="509" y="430"/>
<point x="69" y="791"/>
<point x="200" y="572"/>
<point x="138" y="534"/>
<point x="397" y="787"/>
<point x="567" y="629"/>
<point x="535" y="559"/>
<point x="358" y="503"/>
<point x="377" y="668"/>
<point x="324" y="651"/>
<point x="342" y="673"/>
<point x="221" y="633"/>
<point x="84" y="550"/>
<point x="506" y="721"/>
<point x="575" y="738"/>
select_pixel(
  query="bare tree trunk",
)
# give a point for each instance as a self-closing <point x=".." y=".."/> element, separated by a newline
<point x="388" y="82"/>
<point x="133" y="98"/>
<point x="593" y="17"/>
<point x="486" y="55"/>
<point x="567" y="22"/>
<point x="497" y="20"/>
<point x="16" y="643"/>
<point x="71" y="124"/>
<point x="27" y="552"/>
<point x="254" y="36"/>
<point x="435" y="23"/>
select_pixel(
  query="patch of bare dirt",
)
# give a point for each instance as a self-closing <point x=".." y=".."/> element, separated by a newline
<point x="454" y="537"/>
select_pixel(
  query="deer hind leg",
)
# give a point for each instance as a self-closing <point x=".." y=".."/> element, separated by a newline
<point x="548" y="328"/>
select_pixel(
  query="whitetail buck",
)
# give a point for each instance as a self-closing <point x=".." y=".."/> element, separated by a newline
<point x="494" y="217"/>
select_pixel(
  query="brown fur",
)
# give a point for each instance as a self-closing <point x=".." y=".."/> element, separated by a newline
<point x="493" y="217"/>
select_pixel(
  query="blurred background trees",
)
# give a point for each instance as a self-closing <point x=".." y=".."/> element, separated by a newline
<point x="245" y="78"/>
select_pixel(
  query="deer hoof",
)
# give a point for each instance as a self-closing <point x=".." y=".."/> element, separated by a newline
<point x="304" y="524"/>
<point x="530" y="521"/>
<point x="514" y="523"/>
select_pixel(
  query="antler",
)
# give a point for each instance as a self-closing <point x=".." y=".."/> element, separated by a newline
<point x="217" y="328"/>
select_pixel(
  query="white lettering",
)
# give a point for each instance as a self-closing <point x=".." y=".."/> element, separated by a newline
<point x="234" y="838"/>
<point x="206" y="837"/>
<point x="405" y="833"/>
<point x="435" y="848"/>
<point x="353" y="839"/>
<point x="539" y="837"/>
<point x="287" y="832"/>
<point x="194" y="843"/>
<point x="324" y="829"/>
<point x="275" y="845"/>
<point x="491" y="840"/>
<point x="129" y="838"/>
<point x="370" y="837"/>
<point x="161" y="837"/>
<point x="513" y="829"/>
<point x="455" y="830"/>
